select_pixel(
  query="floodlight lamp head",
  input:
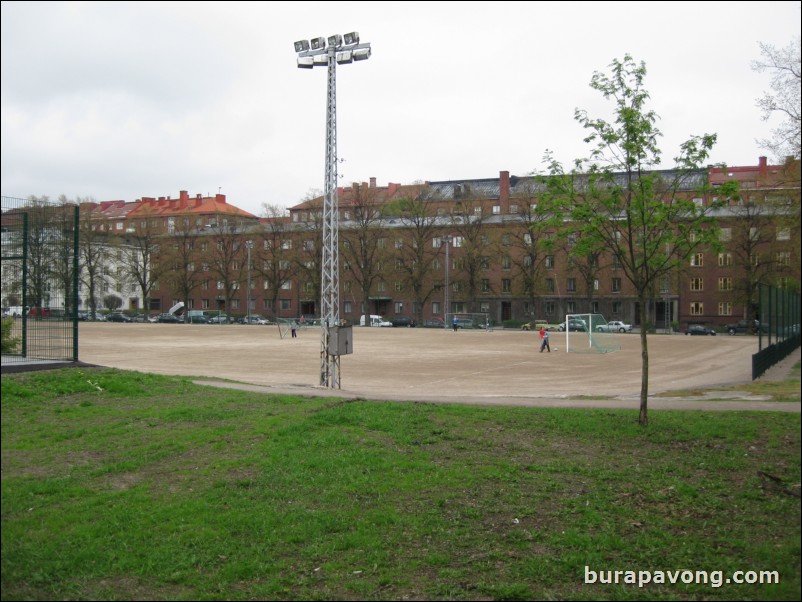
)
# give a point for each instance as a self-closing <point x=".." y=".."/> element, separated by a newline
<point x="301" y="46"/>
<point x="346" y="56"/>
<point x="335" y="40"/>
<point x="305" y="62"/>
<point x="361" y="54"/>
<point x="351" y="38"/>
<point x="318" y="43"/>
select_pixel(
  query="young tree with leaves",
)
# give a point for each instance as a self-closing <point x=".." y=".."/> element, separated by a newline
<point x="644" y="217"/>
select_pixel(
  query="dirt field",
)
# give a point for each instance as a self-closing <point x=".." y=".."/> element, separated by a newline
<point x="416" y="364"/>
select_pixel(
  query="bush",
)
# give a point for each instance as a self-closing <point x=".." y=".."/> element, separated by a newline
<point x="9" y="343"/>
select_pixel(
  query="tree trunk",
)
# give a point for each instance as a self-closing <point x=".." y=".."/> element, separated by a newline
<point x="643" y="417"/>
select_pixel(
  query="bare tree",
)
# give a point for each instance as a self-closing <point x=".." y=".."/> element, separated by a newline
<point x="94" y="243"/>
<point x="473" y="241"/>
<point x="273" y="261"/>
<point x="413" y="252"/>
<point x="177" y="259"/>
<point x="226" y="255"/>
<point x="784" y="99"/>
<point x="363" y="243"/>
<point x="140" y="245"/>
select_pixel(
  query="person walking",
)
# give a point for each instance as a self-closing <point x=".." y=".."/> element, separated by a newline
<point x="455" y="323"/>
<point x="542" y="333"/>
<point x="545" y="343"/>
<point x="294" y="329"/>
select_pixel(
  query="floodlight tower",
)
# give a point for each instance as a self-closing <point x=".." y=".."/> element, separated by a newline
<point x="311" y="53"/>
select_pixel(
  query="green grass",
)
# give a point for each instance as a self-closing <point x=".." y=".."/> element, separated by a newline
<point x="120" y="485"/>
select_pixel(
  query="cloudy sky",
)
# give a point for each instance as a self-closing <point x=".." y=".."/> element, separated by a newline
<point x="120" y="100"/>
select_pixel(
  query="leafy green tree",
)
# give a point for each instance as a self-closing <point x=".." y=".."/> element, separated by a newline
<point x="647" y="218"/>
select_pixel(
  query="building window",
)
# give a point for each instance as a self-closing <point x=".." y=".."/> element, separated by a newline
<point x="571" y="285"/>
<point x="548" y="307"/>
<point x="347" y="307"/>
<point x="697" y="308"/>
<point x="595" y="307"/>
<point x="616" y="285"/>
<point x="724" y="260"/>
<point x="550" y="285"/>
<point x="285" y="305"/>
<point x="784" y="234"/>
<point x="506" y="285"/>
<point x="725" y="284"/>
<point x="725" y="308"/>
<point x="286" y="285"/>
<point x="697" y="284"/>
<point x="697" y="260"/>
<point x="485" y="285"/>
<point x="399" y="286"/>
<point x="549" y="262"/>
<point x="399" y="307"/>
<point x="617" y="308"/>
<point x="436" y="308"/>
<point x="506" y="263"/>
<point x="784" y="258"/>
<point x="570" y="307"/>
<point x="725" y="234"/>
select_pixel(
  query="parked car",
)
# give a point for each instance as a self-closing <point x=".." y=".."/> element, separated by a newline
<point x="535" y="325"/>
<point x="118" y="317"/>
<point x="746" y="326"/>
<point x="254" y="319"/>
<point x="434" y="323"/>
<point x="168" y="319"/>
<point x="574" y="326"/>
<point x="39" y="312"/>
<point x="614" y="326"/>
<point x="402" y="321"/>
<point x="698" y="329"/>
<point x="220" y="319"/>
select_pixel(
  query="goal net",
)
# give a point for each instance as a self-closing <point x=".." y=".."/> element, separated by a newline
<point x="588" y="333"/>
<point x="476" y="320"/>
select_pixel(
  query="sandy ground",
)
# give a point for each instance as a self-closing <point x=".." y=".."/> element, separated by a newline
<point x="417" y="364"/>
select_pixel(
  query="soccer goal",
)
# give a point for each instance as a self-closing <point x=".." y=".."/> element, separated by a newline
<point x="479" y="321"/>
<point x="588" y="333"/>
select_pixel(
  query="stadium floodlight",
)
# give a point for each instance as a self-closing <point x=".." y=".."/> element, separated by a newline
<point x="342" y="50"/>
<point x="301" y="45"/>
<point x="361" y="54"/>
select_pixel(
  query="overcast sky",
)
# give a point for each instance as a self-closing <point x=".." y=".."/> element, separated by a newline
<point x="120" y="100"/>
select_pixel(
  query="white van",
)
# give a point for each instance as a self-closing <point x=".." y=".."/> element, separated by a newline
<point x="374" y="321"/>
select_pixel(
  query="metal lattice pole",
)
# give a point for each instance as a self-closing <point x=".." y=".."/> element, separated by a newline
<point x="330" y="282"/>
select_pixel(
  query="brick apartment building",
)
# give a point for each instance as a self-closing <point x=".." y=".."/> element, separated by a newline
<point x="394" y="241"/>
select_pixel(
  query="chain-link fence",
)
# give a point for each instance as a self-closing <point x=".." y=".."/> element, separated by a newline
<point x="39" y="281"/>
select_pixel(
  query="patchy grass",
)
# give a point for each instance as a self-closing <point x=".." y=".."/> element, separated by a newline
<point x="121" y="485"/>
<point x="784" y="390"/>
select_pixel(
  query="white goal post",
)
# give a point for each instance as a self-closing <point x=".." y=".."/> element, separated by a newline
<point x="584" y="335"/>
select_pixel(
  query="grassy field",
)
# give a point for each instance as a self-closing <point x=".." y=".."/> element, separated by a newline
<point x="129" y="486"/>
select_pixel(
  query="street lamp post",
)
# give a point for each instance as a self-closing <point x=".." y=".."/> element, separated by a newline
<point x="312" y="53"/>
<point x="249" y="246"/>
<point x="447" y="240"/>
